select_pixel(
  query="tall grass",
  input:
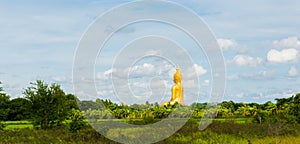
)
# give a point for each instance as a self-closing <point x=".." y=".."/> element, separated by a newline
<point x="217" y="132"/>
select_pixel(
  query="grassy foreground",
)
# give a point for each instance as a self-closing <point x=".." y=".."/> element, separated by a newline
<point x="27" y="124"/>
<point x="217" y="132"/>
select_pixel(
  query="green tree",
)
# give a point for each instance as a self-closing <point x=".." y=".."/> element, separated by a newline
<point x="246" y="111"/>
<point x="4" y="105"/>
<point x="4" y="109"/>
<point x="270" y="107"/>
<point x="296" y="107"/>
<point x="72" y="102"/>
<point x="224" y="112"/>
<point x="20" y="109"/>
<point x="281" y="102"/>
<point x="48" y="104"/>
<point x="260" y="116"/>
<point x="226" y="109"/>
<point x="85" y="105"/>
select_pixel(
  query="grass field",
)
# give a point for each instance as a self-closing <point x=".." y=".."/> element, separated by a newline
<point x="22" y="124"/>
<point x="27" y="124"/>
<point x="17" y="125"/>
<point x="219" y="131"/>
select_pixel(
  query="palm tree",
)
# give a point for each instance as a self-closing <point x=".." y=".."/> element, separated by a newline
<point x="270" y="108"/>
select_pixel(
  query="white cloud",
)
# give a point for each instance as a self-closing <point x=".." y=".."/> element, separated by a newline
<point x="279" y="95"/>
<point x="243" y="60"/>
<point x="240" y="95"/>
<point x="199" y="69"/>
<point x="195" y="71"/>
<point x="60" y="78"/>
<point x="106" y="74"/>
<point x="290" y="42"/>
<point x="145" y="69"/>
<point x="260" y="75"/>
<point x="206" y="83"/>
<point x="190" y="84"/>
<point x="293" y="72"/>
<point x="226" y="44"/>
<point x="286" y="55"/>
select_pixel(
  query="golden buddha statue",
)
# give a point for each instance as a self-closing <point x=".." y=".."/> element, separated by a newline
<point x="177" y="89"/>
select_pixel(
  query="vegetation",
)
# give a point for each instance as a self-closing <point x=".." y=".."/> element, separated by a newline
<point x="4" y="105"/>
<point x="217" y="132"/>
<point x="2" y="125"/>
<point x="77" y="121"/>
<point x="47" y="114"/>
<point x="49" y="104"/>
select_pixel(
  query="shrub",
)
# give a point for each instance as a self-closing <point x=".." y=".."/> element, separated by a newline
<point x="77" y="121"/>
<point x="149" y="120"/>
<point x="2" y="125"/>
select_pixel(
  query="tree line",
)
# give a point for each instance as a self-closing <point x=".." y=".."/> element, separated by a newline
<point x="49" y="106"/>
<point x="285" y="110"/>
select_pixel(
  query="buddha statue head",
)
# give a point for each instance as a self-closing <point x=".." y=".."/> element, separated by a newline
<point x="177" y="76"/>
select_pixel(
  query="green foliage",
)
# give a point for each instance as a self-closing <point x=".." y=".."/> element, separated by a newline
<point x="2" y="125"/>
<point x="226" y="109"/>
<point x="246" y="111"/>
<point x="58" y="135"/>
<point x="270" y="107"/>
<point x="149" y="119"/>
<point x="296" y="107"/>
<point x="20" y="109"/>
<point x="261" y="116"/>
<point x="77" y="122"/>
<point x="72" y="102"/>
<point x="86" y="105"/>
<point x="97" y="114"/>
<point x="261" y="113"/>
<point x="49" y="104"/>
<point x="4" y="105"/>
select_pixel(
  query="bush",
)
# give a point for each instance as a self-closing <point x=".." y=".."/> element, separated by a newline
<point x="77" y="121"/>
<point x="149" y="120"/>
<point x="260" y="117"/>
<point x="2" y="125"/>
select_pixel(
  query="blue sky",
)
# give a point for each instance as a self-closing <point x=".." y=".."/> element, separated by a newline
<point x="260" y="41"/>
